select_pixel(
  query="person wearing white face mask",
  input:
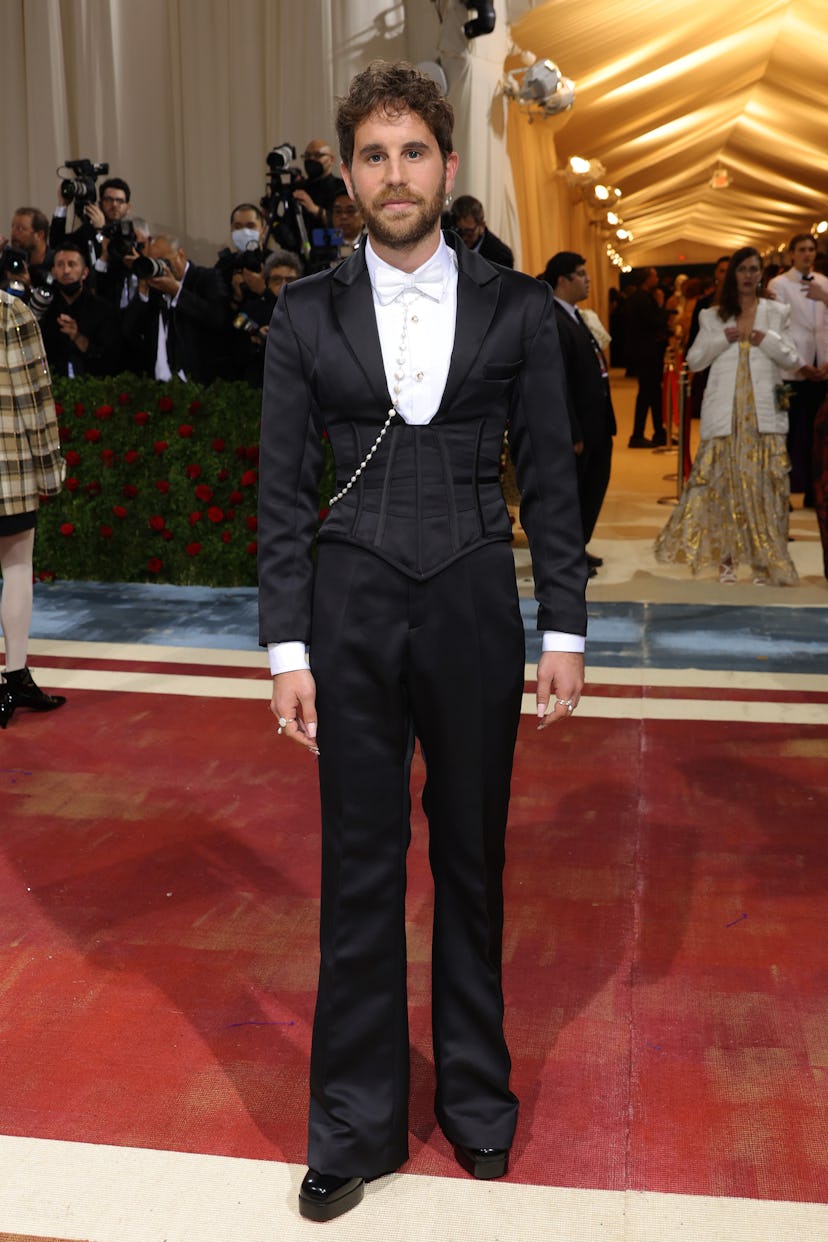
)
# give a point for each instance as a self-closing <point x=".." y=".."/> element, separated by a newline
<point x="240" y="264"/>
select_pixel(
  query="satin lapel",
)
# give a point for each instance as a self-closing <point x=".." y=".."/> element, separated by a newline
<point x="476" y="304"/>
<point x="353" y="307"/>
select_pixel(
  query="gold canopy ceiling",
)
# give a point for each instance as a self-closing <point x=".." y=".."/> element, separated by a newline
<point x="669" y="90"/>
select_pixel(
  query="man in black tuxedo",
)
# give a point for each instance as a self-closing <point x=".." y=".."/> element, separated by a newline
<point x="411" y="356"/>
<point x="176" y="323"/>
<point x="469" y="220"/>
<point x="587" y="388"/>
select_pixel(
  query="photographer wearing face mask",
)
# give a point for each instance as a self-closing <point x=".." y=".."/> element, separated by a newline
<point x="317" y="195"/>
<point x="80" y="333"/>
<point x="240" y="264"/>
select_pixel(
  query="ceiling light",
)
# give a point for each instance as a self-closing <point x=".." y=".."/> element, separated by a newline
<point x="612" y="218"/>
<point x="579" y="165"/>
<point x="601" y="191"/>
<point x="721" y="178"/>
<point x="822" y="227"/>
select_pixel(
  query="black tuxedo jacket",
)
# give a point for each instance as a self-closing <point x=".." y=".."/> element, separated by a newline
<point x="196" y="329"/>
<point x="430" y="494"/>
<point x="588" y="394"/>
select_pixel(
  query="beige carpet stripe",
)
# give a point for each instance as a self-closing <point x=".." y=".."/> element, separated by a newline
<point x="79" y="1191"/>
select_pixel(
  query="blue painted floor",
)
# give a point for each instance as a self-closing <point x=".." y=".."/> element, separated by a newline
<point x="645" y="635"/>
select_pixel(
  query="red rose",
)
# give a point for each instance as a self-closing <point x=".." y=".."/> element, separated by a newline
<point x="218" y="446"/>
<point x="224" y="475"/>
<point x="71" y="484"/>
<point x="226" y="536"/>
<point x="67" y="529"/>
<point x="46" y="575"/>
<point x="248" y="479"/>
<point x="235" y="498"/>
<point x="157" y="522"/>
<point x="252" y="548"/>
<point x="253" y="453"/>
<point x="323" y="513"/>
<point x="129" y="491"/>
<point x="165" y="404"/>
<point x="72" y="458"/>
<point x="131" y="456"/>
<point x="194" y="517"/>
<point x="124" y="398"/>
<point x="154" y="565"/>
<point x="193" y="549"/>
<point x="194" y="407"/>
<point x="252" y="522"/>
<point x="215" y="514"/>
<point x="104" y="412"/>
<point x="107" y="457"/>
<point x="160" y="446"/>
<point x="79" y="409"/>
<point x="92" y="434"/>
<point x="185" y="431"/>
<point x="58" y="409"/>
<point x="166" y="535"/>
<point x="64" y="434"/>
<point x="193" y="471"/>
<point x="106" y="532"/>
<point x="141" y="418"/>
<point x="229" y="514"/>
<point x="163" y="486"/>
<point x="203" y="492"/>
<point x="93" y="488"/>
<point x="119" y="511"/>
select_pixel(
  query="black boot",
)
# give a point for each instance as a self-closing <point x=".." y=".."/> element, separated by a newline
<point x="20" y="690"/>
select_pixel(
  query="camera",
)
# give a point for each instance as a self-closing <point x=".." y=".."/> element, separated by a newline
<point x="13" y="261"/>
<point x="122" y="238"/>
<point x="281" y="156"/>
<point x="81" y="189"/>
<point x="243" y="323"/>
<point x="41" y="297"/>
<point x="146" y="268"/>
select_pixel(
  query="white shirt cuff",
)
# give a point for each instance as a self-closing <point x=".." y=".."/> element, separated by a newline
<point x="286" y="657"/>
<point x="555" y="640"/>
<point x="60" y="212"/>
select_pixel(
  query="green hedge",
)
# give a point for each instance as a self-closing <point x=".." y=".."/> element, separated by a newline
<point x="161" y="483"/>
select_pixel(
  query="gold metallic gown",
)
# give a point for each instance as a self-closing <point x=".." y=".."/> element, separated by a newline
<point x="734" y="506"/>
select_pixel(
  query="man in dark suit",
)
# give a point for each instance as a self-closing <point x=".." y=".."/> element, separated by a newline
<point x="411" y="356"/>
<point x="176" y="323"/>
<point x="646" y="332"/>
<point x="587" y="388"/>
<point x="469" y="220"/>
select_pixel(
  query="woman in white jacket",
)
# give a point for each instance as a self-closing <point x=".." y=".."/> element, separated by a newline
<point x="734" y="509"/>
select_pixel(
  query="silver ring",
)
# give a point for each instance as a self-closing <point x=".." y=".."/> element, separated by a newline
<point x="567" y="703"/>
<point x="282" y="722"/>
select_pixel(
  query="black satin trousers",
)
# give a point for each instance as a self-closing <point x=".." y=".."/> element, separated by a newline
<point x="441" y="661"/>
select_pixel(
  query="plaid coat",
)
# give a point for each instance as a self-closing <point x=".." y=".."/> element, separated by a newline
<point x="30" y="460"/>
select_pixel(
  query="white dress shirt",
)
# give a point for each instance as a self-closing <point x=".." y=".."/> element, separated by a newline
<point x="419" y="309"/>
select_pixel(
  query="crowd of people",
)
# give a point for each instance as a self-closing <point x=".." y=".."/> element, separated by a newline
<point x="112" y="293"/>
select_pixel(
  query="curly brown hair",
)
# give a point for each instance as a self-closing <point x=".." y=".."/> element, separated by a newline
<point x="393" y="88"/>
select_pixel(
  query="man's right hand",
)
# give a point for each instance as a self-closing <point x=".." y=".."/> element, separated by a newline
<point x="294" y="701"/>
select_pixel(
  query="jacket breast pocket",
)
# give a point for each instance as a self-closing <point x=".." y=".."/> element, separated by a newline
<point x="501" y="370"/>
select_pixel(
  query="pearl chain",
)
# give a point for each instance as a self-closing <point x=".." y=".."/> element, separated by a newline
<point x="399" y="376"/>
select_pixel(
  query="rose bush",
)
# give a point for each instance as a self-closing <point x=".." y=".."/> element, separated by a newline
<point x="197" y="448"/>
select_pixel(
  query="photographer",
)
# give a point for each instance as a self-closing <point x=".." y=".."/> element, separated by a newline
<point x="105" y="233"/>
<point x="318" y="192"/>
<point x="26" y="256"/>
<point x="240" y="264"/>
<point x="80" y="334"/>
<point x="175" y="323"/>
<point x="253" y="315"/>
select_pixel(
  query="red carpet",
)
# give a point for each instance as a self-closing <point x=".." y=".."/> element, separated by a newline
<point x="666" y="962"/>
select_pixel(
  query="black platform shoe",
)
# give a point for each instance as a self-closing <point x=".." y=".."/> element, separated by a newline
<point x="20" y="690"/>
<point x="483" y="1163"/>
<point x="324" y="1197"/>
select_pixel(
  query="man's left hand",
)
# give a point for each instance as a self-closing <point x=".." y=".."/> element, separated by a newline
<point x="561" y="680"/>
<point x="165" y="284"/>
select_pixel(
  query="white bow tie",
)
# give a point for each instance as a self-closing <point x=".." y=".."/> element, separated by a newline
<point x="389" y="283"/>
